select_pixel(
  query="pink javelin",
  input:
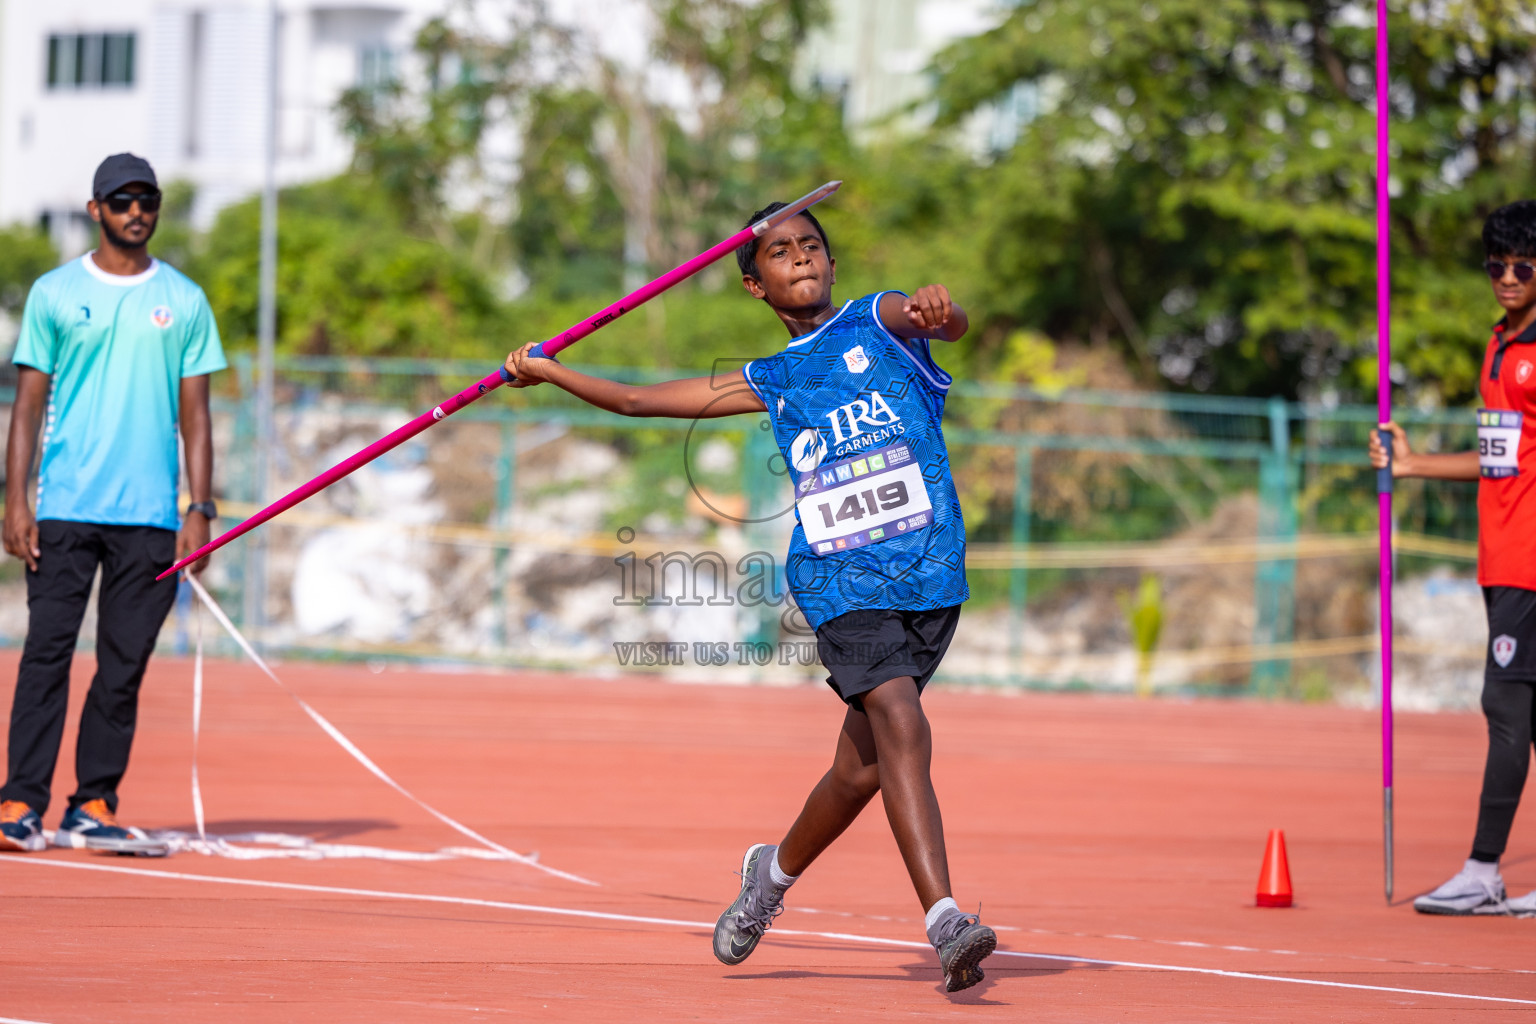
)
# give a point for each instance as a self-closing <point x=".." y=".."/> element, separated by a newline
<point x="551" y="347"/>
<point x="1384" y="413"/>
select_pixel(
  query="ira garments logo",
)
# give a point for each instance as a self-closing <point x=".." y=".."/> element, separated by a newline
<point x="162" y="317"/>
<point x="861" y="415"/>
<point x="1504" y="649"/>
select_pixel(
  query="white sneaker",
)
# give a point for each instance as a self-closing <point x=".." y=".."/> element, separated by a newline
<point x="1523" y="906"/>
<point x="1472" y="891"/>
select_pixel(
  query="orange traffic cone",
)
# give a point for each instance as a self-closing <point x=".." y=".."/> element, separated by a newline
<point x="1275" y="875"/>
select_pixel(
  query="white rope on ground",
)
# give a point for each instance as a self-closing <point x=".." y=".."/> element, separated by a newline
<point x="204" y="845"/>
<point x="197" y="719"/>
<point x="286" y="846"/>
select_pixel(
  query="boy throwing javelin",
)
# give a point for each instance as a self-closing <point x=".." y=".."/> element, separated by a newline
<point x="876" y="561"/>
<point x="1505" y="467"/>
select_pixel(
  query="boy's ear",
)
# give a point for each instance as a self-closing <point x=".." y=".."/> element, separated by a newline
<point x="94" y="209"/>
<point x="832" y="262"/>
<point x="753" y="286"/>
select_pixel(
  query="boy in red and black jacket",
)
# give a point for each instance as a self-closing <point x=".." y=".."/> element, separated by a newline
<point x="1505" y="467"/>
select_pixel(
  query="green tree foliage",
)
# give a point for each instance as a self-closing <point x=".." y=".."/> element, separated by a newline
<point x="25" y="255"/>
<point x="1195" y="181"/>
<point x="175" y="241"/>
<point x="1191" y="186"/>
<point x="418" y="140"/>
<point x="619" y="171"/>
<point x="353" y="277"/>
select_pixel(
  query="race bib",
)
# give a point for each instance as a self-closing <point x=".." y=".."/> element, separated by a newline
<point x="863" y="500"/>
<point x="1498" y="442"/>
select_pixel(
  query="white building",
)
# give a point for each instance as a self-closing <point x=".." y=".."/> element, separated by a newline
<point x="877" y="53"/>
<point x="183" y="84"/>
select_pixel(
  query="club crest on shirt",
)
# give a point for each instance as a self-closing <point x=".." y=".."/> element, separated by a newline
<point x="1504" y="649"/>
<point x="857" y="361"/>
<point x="161" y="317"/>
<point x="1523" y="371"/>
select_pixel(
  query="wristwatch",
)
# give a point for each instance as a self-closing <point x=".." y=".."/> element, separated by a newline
<point x="209" y="510"/>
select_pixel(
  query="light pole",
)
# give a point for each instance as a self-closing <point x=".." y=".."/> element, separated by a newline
<point x="266" y="336"/>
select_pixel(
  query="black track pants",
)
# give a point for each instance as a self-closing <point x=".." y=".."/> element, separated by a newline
<point x="1509" y="707"/>
<point x="132" y="608"/>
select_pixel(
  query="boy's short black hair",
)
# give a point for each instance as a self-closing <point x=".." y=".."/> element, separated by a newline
<point x="746" y="252"/>
<point x="1511" y="230"/>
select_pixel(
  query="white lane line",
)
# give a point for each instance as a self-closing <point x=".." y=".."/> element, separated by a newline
<point x="599" y="915"/>
<point x="18" y="1020"/>
<point x="1190" y="944"/>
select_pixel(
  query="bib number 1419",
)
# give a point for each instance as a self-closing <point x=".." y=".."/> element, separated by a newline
<point x="863" y="500"/>
<point x="885" y="498"/>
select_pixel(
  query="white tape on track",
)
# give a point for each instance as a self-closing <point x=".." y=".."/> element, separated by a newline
<point x="197" y="718"/>
<point x="290" y="846"/>
<point x="708" y="926"/>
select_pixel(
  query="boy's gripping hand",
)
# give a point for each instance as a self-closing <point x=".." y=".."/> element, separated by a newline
<point x="928" y="313"/>
<point x="1402" y="453"/>
<point x="527" y="369"/>
<point x="929" y="307"/>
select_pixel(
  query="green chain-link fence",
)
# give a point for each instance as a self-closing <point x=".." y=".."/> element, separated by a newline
<point x="532" y="530"/>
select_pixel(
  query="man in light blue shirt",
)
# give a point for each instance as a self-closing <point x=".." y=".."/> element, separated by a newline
<point x="114" y="356"/>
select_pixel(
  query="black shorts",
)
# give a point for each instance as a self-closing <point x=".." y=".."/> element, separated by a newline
<point x="862" y="649"/>
<point x="1511" y="633"/>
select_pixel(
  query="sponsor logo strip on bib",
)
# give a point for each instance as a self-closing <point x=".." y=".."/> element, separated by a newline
<point x="1498" y="442"/>
<point x="864" y="500"/>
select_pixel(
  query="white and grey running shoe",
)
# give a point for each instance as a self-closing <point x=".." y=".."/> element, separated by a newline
<point x="93" y="826"/>
<point x="1523" y="906"/>
<point x="1469" y="892"/>
<point x="760" y="901"/>
<point x="962" y="942"/>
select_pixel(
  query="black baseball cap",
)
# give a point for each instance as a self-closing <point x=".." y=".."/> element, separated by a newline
<point x="121" y="169"/>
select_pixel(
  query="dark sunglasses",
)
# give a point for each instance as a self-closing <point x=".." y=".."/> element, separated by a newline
<point x="1523" y="271"/>
<point x="122" y="202"/>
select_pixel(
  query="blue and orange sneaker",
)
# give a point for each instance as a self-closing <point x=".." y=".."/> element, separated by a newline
<point x="20" y="828"/>
<point x="93" y="826"/>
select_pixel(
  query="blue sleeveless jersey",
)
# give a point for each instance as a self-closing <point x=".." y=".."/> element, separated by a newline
<point x="856" y="412"/>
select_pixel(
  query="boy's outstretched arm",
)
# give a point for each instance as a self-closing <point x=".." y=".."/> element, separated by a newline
<point x="1407" y="462"/>
<point x="928" y="313"/>
<point x="691" y="398"/>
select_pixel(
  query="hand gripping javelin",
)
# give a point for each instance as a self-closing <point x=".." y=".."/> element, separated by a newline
<point x="547" y="348"/>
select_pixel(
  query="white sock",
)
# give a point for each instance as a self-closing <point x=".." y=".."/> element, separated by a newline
<point x="776" y="874"/>
<point x="938" y="910"/>
<point x="1481" y="869"/>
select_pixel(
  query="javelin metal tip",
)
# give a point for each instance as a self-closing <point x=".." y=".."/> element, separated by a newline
<point x="796" y="208"/>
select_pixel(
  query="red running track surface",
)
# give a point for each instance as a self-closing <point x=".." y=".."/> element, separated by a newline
<point x="1114" y="843"/>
